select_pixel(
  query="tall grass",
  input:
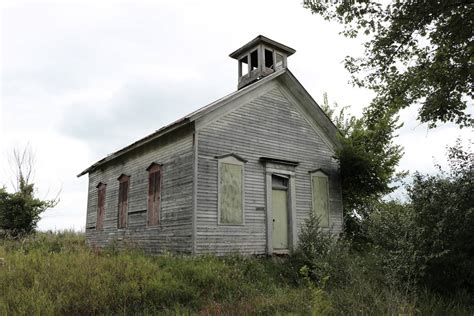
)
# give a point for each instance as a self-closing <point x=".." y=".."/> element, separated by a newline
<point x="59" y="274"/>
<point x="56" y="274"/>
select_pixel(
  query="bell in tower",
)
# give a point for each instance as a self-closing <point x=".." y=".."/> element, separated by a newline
<point x="259" y="58"/>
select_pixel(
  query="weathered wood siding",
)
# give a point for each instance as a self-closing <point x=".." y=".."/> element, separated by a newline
<point x="174" y="233"/>
<point x="268" y="126"/>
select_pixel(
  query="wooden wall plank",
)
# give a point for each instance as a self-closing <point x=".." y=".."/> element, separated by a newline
<point x="174" y="233"/>
<point x="269" y="126"/>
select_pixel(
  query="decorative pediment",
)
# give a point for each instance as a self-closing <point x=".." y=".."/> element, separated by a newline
<point x="100" y="185"/>
<point x="319" y="171"/>
<point x="154" y="167"/>
<point x="239" y="158"/>
<point x="123" y="177"/>
<point x="276" y="161"/>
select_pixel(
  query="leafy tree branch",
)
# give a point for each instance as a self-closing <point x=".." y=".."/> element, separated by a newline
<point x="418" y="52"/>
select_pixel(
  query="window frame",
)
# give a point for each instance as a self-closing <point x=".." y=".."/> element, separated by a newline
<point x="321" y="174"/>
<point x="278" y="67"/>
<point x="253" y="55"/>
<point x="232" y="160"/>
<point x="272" y="53"/>
<point x="153" y="169"/>
<point x="243" y="73"/>
<point x="101" y="187"/>
<point x="123" y="211"/>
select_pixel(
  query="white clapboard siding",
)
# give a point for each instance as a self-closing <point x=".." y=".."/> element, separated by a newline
<point x="175" y="230"/>
<point x="268" y="126"/>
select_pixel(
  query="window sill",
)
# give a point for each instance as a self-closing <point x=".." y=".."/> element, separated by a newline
<point x="225" y="224"/>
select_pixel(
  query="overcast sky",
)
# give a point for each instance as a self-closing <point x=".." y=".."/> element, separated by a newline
<point x="81" y="79"/>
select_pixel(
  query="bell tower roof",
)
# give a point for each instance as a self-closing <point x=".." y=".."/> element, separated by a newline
<point x="262" y="39"/>
<point x="259" y="58"/>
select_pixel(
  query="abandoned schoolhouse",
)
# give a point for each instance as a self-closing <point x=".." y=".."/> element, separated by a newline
<point x="239" y="175"/>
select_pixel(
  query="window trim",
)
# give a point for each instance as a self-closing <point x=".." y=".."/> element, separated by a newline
<point x="101" y="186"/>
<point x="271" y="51"/>
<point x="251" y="60"/>
<point x="242" y="73"/>
<point x="231" y="159"/>
<point x="154" y="168"/>
<point x="321" y="174"/>
<point x="122" y="179"/>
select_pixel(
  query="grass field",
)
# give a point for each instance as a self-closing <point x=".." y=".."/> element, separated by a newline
<point x="52" y="274"/>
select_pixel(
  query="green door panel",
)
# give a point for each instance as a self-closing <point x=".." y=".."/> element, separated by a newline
<point x="280" y="219"/>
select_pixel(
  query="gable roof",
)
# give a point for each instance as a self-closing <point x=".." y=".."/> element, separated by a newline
<point x="284" y="75"/>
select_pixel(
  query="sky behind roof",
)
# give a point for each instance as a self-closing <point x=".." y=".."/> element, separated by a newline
<point x="81" y="79"/>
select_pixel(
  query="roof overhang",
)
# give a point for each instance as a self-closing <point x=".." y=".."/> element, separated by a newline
<point x="162" y="131"/>
<point x="262" y="39"/>
<point x="285" y="76"/>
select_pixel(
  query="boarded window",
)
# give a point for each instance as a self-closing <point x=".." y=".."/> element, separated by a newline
<point x="321" y="197"/>
<point x="123" y="201"/>
<point x="100" y="206"/>
<point x="231" y="193"/>
<point x="154" y="194"/>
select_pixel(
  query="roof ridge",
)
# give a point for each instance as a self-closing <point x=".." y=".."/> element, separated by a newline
<point x="181" y="121"/>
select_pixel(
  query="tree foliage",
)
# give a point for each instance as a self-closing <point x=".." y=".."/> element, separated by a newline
<point x="367" y="158"/>
<point x="443" y="208"/>
<point x="429" y="241"/>
<point x="417" y="52"/>
<point x="20" y="211"/>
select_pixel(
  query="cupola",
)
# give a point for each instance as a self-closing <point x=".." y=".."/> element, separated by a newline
<point x="259" y="58"/>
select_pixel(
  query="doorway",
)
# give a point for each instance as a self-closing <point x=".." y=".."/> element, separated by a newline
<point x="280" y="212"/>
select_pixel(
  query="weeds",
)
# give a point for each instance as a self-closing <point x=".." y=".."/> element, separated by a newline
<point x="57" y="273"/>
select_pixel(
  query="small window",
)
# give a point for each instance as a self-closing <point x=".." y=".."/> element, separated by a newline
<point x="280" y="182"/>
<point x="253" y="60"/>
<point x="243" y="66"/>
<point x="123" y="201"/>
<point x="268" y="59"/>
<point x="319" y="183"/>
<point x="100" y="206"/>
<point x="154" y="194"/>
<point x="279" y="61"/>
<point x="231" y="193"/>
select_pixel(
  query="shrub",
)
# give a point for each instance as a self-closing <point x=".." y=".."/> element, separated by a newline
<point x="428" y="242"/>
<point x="321" y="256"/>
<point x="393" y="237"/>
<point x="443" y="208"/>
<point x="57" y="274"/>
<point x="20" y="211"/>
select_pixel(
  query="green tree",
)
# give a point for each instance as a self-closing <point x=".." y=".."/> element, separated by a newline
<point x="417" y="52"/>
<point x="429" y="241"/>
<point x="20" y="211"/>
<point x="443" y="210"/>
<point x="367" y="159"/>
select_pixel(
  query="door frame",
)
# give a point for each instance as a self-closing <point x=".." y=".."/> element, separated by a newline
<point x="275" y="190"/>
<point x="287" y="168"/>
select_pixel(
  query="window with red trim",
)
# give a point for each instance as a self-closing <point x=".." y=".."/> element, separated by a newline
<point x="100" y="206"/>
<point x="123" y="200"/>
<point x="154" y="194"/>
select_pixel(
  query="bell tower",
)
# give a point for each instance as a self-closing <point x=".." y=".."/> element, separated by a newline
<point x="259" y="58"/>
